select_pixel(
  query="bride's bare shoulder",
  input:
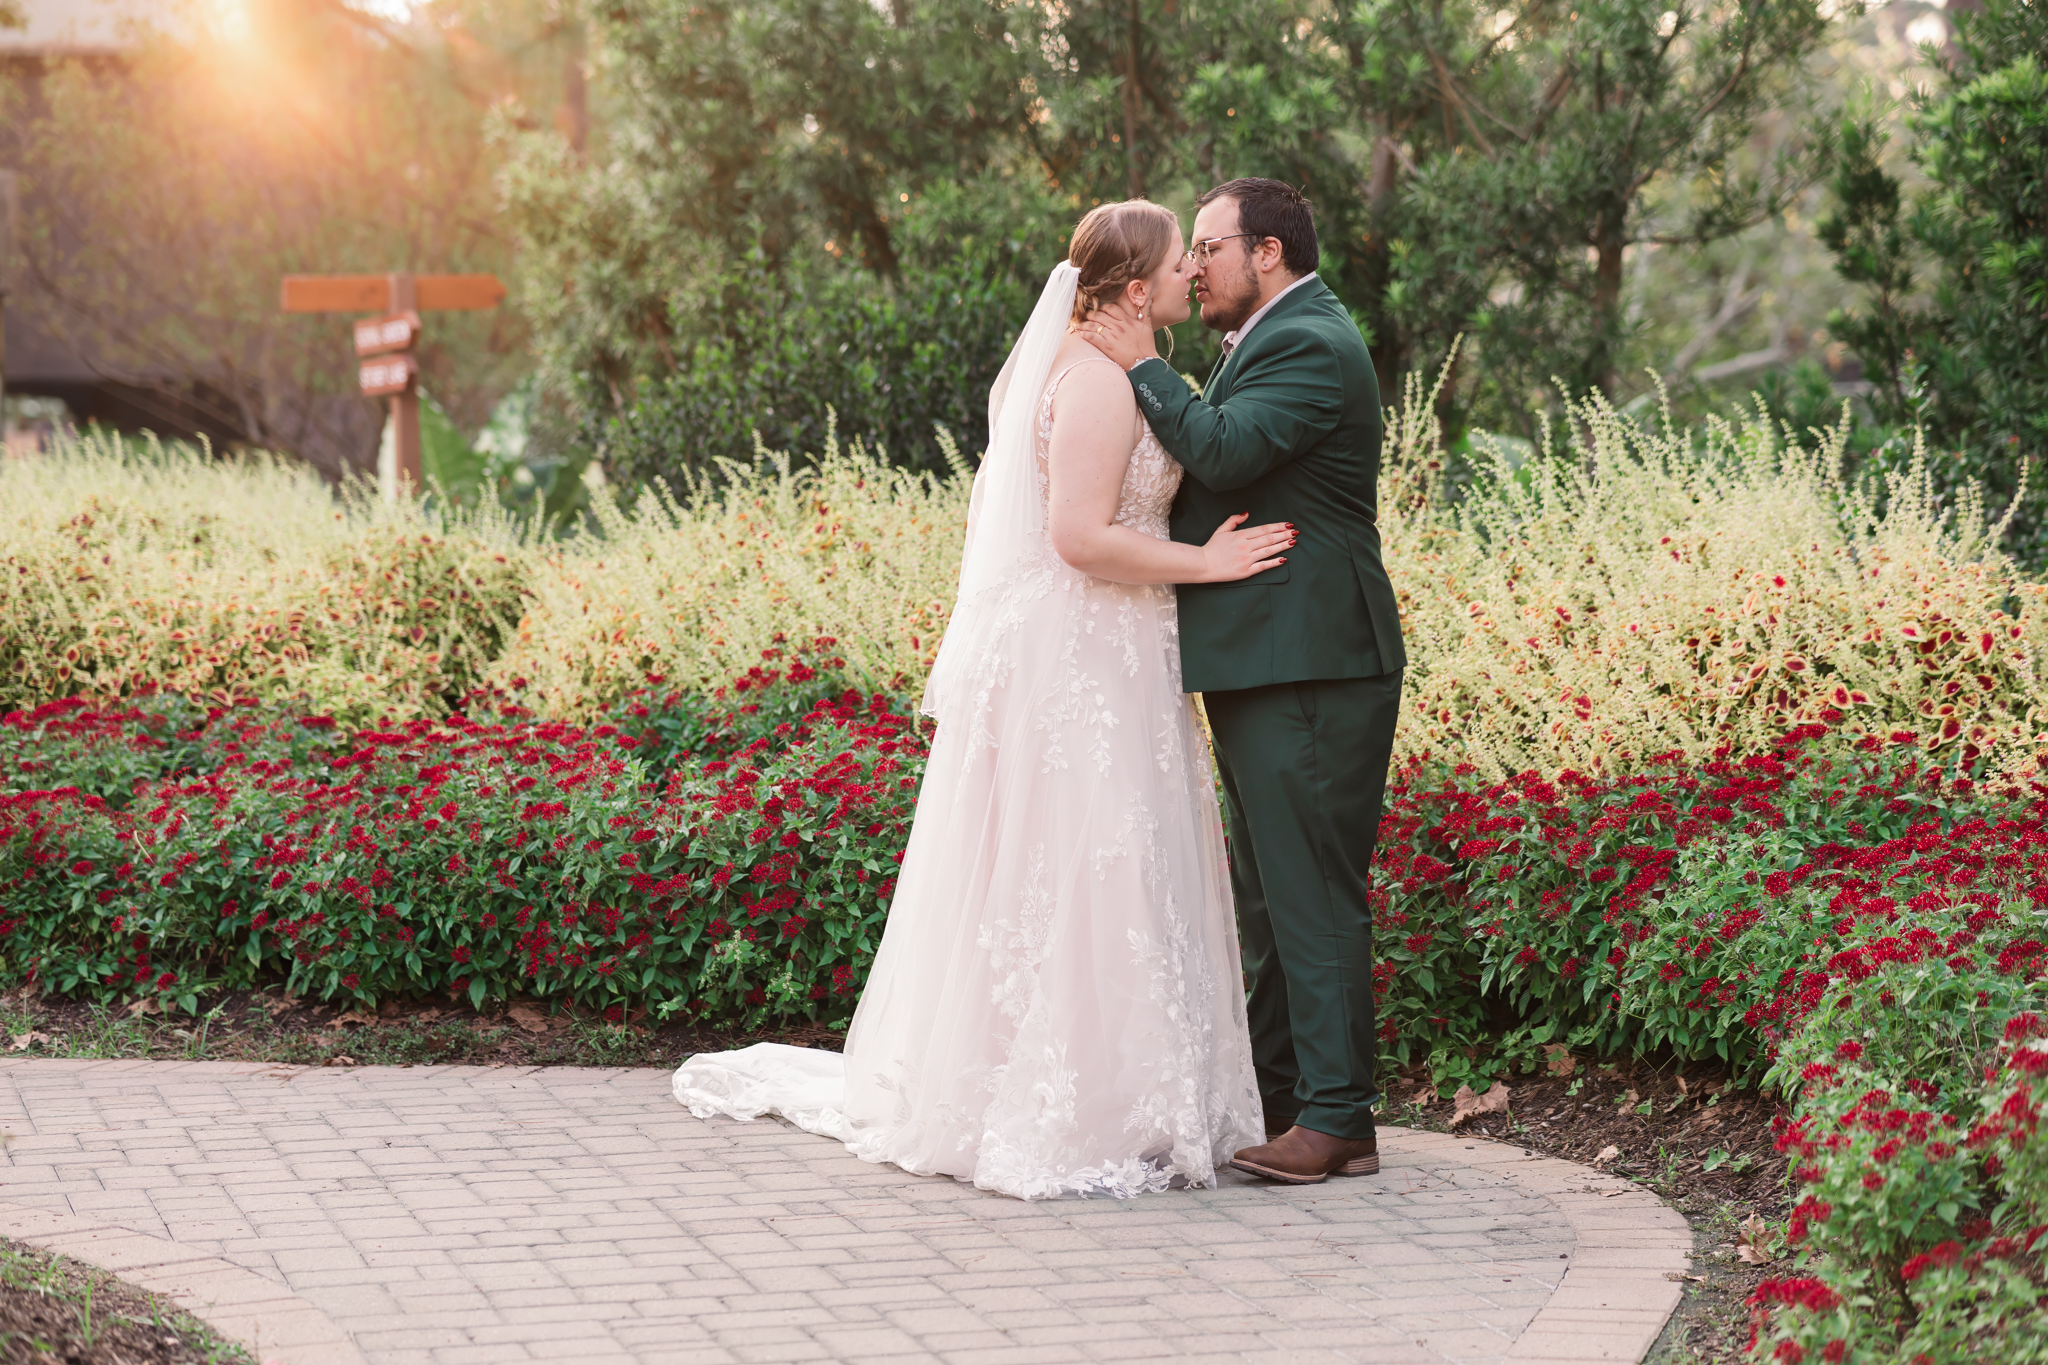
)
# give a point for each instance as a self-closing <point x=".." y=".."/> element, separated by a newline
<point x="1085" y="379"/>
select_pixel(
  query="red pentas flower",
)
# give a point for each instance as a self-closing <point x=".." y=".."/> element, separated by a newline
<point x="1946" y="1254"/>
<point x="1810" y="1294"/>
<point x="2025" y="1025"/>
<point x="2029" y="1061"/>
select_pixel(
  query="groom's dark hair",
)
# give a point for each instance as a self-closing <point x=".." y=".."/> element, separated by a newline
<point x="1273" y="208"/>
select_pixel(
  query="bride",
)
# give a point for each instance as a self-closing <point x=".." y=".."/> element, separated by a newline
<point x="1057" y="1005"/>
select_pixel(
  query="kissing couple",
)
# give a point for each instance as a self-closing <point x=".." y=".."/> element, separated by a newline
<point x="1061" y="1002"/>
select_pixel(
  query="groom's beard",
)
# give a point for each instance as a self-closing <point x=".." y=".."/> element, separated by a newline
<point x="1230" y="302"/>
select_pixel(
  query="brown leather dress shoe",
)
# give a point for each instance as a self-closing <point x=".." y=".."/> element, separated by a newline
<point x="1276" y="1126"/>
<point x="1302" y="1156"/>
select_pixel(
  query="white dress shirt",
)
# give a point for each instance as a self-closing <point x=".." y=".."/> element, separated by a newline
<point x="1232" y="340"/>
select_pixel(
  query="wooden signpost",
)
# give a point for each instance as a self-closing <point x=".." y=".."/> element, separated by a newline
<point x="389" y="345"/>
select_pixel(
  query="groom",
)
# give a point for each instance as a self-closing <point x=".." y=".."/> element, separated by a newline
<point x="1299" y="667"/>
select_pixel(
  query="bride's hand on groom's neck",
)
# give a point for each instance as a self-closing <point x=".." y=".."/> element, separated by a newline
<point x="1116" y="331"/>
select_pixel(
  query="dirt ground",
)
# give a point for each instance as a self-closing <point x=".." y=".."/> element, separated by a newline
<point x="272" y="1027"/>
<point x="55" y="1311"/>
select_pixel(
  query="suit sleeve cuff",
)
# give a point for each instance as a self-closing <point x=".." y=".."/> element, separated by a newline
<point x="1155" y="382"/>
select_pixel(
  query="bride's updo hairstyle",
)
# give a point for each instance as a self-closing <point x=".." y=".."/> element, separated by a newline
<point x="1115" y="244"/>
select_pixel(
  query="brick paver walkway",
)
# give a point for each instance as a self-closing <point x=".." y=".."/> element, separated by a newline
<point x="445" y="1215"/>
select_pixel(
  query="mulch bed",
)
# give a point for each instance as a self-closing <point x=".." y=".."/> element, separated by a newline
<point x="272" y="1027"/>
<point x="1662" y="1126"/>
<point x="55" y="1311"/>
<point x="1685" y="1131"/>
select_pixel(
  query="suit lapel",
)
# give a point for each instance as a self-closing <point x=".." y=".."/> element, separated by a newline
<point x="1218" y="387"/>
<point x="1209" y="393"/>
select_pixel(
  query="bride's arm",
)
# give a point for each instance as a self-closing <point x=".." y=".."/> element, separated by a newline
<point x="1094" y="430"/>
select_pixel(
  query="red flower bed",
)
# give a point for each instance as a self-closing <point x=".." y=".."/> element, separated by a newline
<point x="1703" y="909"/>
<point x="489" y="858"/>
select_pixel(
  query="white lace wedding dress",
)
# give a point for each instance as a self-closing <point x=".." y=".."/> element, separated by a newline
<point x="1057" y="1005"/>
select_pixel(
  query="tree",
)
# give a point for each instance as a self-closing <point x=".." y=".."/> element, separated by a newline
<point x="801" y="131"/>
<point x="1966" y="359"/>
<point x="1477" y="169"/>
<point x="165" y="194"/>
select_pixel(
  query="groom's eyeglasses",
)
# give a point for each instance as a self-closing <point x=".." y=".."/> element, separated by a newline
<point x="1205" y="251"/>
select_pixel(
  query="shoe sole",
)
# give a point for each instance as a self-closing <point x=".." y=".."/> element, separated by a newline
<point x="1360" y="1165"/>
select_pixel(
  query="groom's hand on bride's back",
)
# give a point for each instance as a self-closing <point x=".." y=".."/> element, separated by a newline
<point x="1232" y="554"/>
<point x="1116" y="331"/>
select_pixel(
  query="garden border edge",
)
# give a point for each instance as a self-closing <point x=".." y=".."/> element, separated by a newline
<point x="1626" y="1273"/>
<point x="277" y="1326"/>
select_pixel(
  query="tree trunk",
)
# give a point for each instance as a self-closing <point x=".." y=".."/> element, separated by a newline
<point x="1387" y="352"/>
<point x="1610" y="236"/>
<point x="1134" y="170"/>
<point x="1386" y="170"/>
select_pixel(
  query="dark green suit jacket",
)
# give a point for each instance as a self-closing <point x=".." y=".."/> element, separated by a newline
<point x="1288" y="429"/>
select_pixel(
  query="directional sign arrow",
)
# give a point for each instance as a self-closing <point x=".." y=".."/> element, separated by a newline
<point x="372" y="293"/>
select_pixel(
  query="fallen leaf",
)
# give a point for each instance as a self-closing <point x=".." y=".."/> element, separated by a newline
<point x="1465" y="1105"/>
<point x="24" y="1041"/>
<point x="1683" y="1089"/>
<point x="430" y="1014"/>
<point x="1561" y="1061"/>
<point x="529" y="1017"/>
<point x="1633" y="1098"/>
<point x="356" y="1017"/>
<point x="1681" y="1277"/>
<point x="339" y="1059"/>
<point x="1607" y="1153"/>
<point x="1753" y="1242"/>
<point x="146" y="1005"/>
<point x="277" y="1005"/>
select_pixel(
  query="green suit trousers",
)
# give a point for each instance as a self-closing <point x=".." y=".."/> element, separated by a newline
<point x="1304" y="769"/>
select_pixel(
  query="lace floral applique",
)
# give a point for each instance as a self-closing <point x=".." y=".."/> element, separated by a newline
<point x="1016" y="947"/>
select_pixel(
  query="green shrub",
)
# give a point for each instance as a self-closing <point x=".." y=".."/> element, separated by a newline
<point x="789" y="353"/>
<point x="689" y="593"/>
<point x="168" y="571"/>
